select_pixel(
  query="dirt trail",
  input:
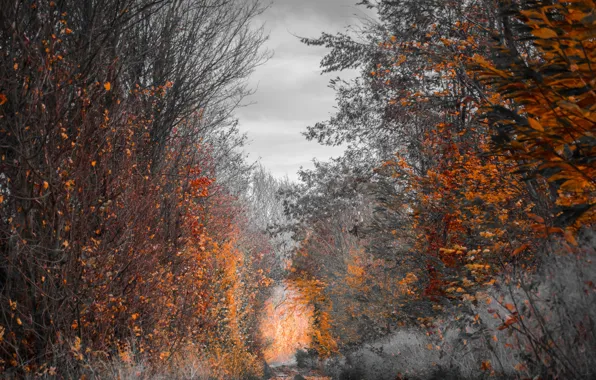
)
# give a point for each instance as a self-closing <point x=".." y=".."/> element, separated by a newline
<point x="288" y="373"/>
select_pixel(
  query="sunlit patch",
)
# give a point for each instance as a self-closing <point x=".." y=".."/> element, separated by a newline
<point x="285" y="326"/>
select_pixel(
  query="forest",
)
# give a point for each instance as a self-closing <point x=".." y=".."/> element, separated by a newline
<point x="453" y="239"/>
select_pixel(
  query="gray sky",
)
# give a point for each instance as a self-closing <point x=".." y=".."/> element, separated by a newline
<point x="291" y="92"/>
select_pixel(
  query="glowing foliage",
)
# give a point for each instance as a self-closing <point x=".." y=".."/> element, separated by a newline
<point x="551" y="131"/>
<point x="286" y="326"/>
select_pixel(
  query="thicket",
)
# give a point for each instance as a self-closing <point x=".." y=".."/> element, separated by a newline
<point x="124" y="203"/>
<point x="469" y="171"/>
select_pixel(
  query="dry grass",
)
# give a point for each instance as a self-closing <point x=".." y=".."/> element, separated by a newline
<point x="552" y="337"/>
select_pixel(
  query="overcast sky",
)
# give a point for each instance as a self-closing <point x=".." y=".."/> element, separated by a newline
<point x="291" y="92"/>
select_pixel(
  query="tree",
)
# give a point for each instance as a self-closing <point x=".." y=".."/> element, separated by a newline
<point x="446" y="122"/>
<point x="117" y="145"/>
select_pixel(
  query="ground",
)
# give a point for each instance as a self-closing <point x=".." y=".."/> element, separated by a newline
<point x="289" y="372"/>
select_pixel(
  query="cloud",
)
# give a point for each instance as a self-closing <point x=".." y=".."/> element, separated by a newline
<point x="335" y="13"/>
<point x="291" y="93"/>
<point x="280" y="147"/>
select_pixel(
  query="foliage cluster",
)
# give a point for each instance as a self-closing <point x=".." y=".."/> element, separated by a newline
<point x="123" y="207"/>
<point x="470" y="135"/>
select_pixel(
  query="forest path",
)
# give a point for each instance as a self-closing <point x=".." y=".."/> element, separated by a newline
<point x="290" y="372"/>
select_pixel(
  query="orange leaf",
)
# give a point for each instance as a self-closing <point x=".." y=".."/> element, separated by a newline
<point x="107" y="86"/>
<point x="3" y="99"/>
<point x="485" y="366"/>
<point x="520" y="249"/>
<point x="535" y="124"/>
<point x="570" y="238"/>
<point x="544" y="33"/>
<point x="510" y="307"/>
<point x="537" y="218"/>
<point x="508" y="322"/>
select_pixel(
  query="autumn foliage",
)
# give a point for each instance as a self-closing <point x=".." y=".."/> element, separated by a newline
<point x="119" y="238"/>
<point x="461" y="214"/>
<point x="471" y="162"/>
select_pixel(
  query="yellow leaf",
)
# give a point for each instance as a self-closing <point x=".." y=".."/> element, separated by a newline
<point x="19" y="321"/>
<point x="544" y="33"/>
<point x="93" y="163"/>
<point x="77" y="344"/>
<point x="107" y="86"/>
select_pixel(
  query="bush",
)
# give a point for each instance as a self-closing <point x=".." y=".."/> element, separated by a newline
<point x="530" y="324"/>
